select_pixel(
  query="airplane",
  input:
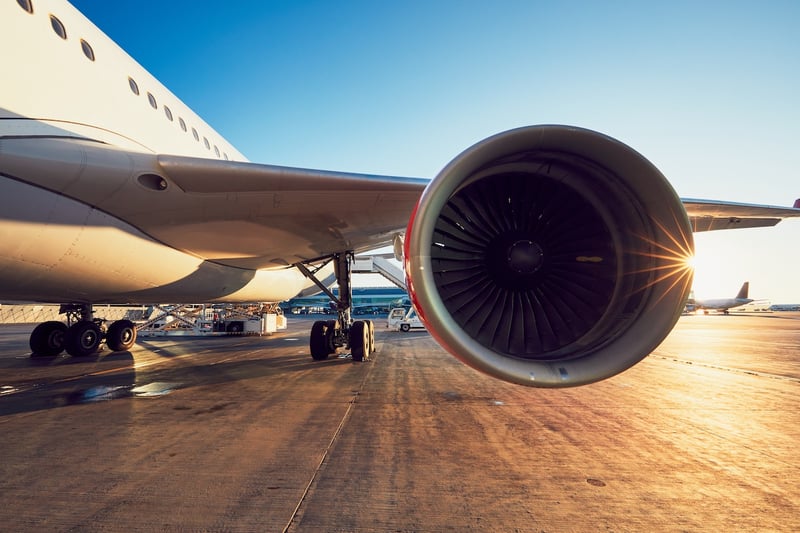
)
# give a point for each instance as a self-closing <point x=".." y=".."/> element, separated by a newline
<point x="723" y="304"/>
<point x="547" y="255"/>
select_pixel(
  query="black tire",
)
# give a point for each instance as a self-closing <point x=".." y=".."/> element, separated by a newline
<point x="405" y="327"/>
<point x="83" y="338"/>
<point x="47" y="339"/>
<point x="318" y="343"/>
<point x="359" y="340"/>
<point x="121" y="336"/>
<point x="236" y="326"/>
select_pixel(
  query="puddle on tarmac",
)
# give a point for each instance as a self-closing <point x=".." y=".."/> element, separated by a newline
<point x="102" y="393"/>
<point x="157" y="388"/>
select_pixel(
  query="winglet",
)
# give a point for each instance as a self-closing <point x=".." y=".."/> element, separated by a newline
<point x="797" y="204"/>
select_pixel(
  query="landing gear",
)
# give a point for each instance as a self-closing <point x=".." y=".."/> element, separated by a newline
<point x="329" y="335"/>
<point x="82" y="335"/>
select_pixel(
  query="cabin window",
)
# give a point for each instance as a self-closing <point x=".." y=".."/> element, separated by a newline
<point x="205" y="141"/>
<point x="225" y="155"/>
<point x="134" y="86"/>
<point x="182" y="123"/>
<point x="152" y="100"/>
<point x="168" y="112"/>
<point x="196" y="136"/>
<point x="216" y="150"/>
<point x="87" y="50"/>
<point x="58" y="27"/>
<point x="26" y="5"/>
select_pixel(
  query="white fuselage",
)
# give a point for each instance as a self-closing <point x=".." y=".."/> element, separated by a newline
<point x="722" y="304"/>
<point x="62" y="115"/>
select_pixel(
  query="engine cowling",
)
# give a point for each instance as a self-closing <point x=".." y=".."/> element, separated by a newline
<point x="549" y="256"/>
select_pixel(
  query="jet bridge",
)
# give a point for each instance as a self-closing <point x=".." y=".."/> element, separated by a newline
<point x="380" y="264"/>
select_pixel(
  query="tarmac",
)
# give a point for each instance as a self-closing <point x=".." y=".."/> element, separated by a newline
<point x="250" y="434"/>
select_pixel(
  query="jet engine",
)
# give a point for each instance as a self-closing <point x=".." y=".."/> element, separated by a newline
<point x="549" y="256"/>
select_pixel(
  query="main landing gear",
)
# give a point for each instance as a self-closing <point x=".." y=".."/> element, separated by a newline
<point x="327" y="336"/>
<point x="82" y="335"/>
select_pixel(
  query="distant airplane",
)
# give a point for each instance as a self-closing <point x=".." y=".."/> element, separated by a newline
<point x="723" y="304"/>
<point x="547" y="255"/>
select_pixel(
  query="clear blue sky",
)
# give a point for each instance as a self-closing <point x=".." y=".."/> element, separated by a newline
<point x="708" y="91"/>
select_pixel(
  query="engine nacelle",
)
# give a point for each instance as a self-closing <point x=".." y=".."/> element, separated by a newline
<point x="549" y="256"/>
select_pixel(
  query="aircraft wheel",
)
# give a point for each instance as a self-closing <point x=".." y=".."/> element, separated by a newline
<point x="83" y="338"/>
<point x="359" y="340"/>
<point x="318" y="343"/>
<point x="234" y="327"/>
<point x="405" y="327"/>
<point x="121" y="336"/>
<point x="47" y="339"/>
<point x="330" y="335"/>
<point x="371" y="326"/>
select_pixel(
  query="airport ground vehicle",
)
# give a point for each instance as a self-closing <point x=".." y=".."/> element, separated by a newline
<point x="402" y="319"/>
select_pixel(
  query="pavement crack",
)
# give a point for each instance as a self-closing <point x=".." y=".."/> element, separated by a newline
<point x="317" y="471"/>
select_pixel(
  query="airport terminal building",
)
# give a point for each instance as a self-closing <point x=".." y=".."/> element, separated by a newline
<point x="366" y="300"/>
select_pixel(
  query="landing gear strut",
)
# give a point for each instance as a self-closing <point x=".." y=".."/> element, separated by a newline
<point x="82" y="335"/>
<point x="329" y="335"/>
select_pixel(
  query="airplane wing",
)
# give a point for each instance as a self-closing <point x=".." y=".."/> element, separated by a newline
<point x="255" y="216"/>
<point x="307" y="205"/>
<point x="245" y="205"/>
<point x="243" y="215"/>
<point x="370" y="196"/>
<point x="708" y="215"/>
